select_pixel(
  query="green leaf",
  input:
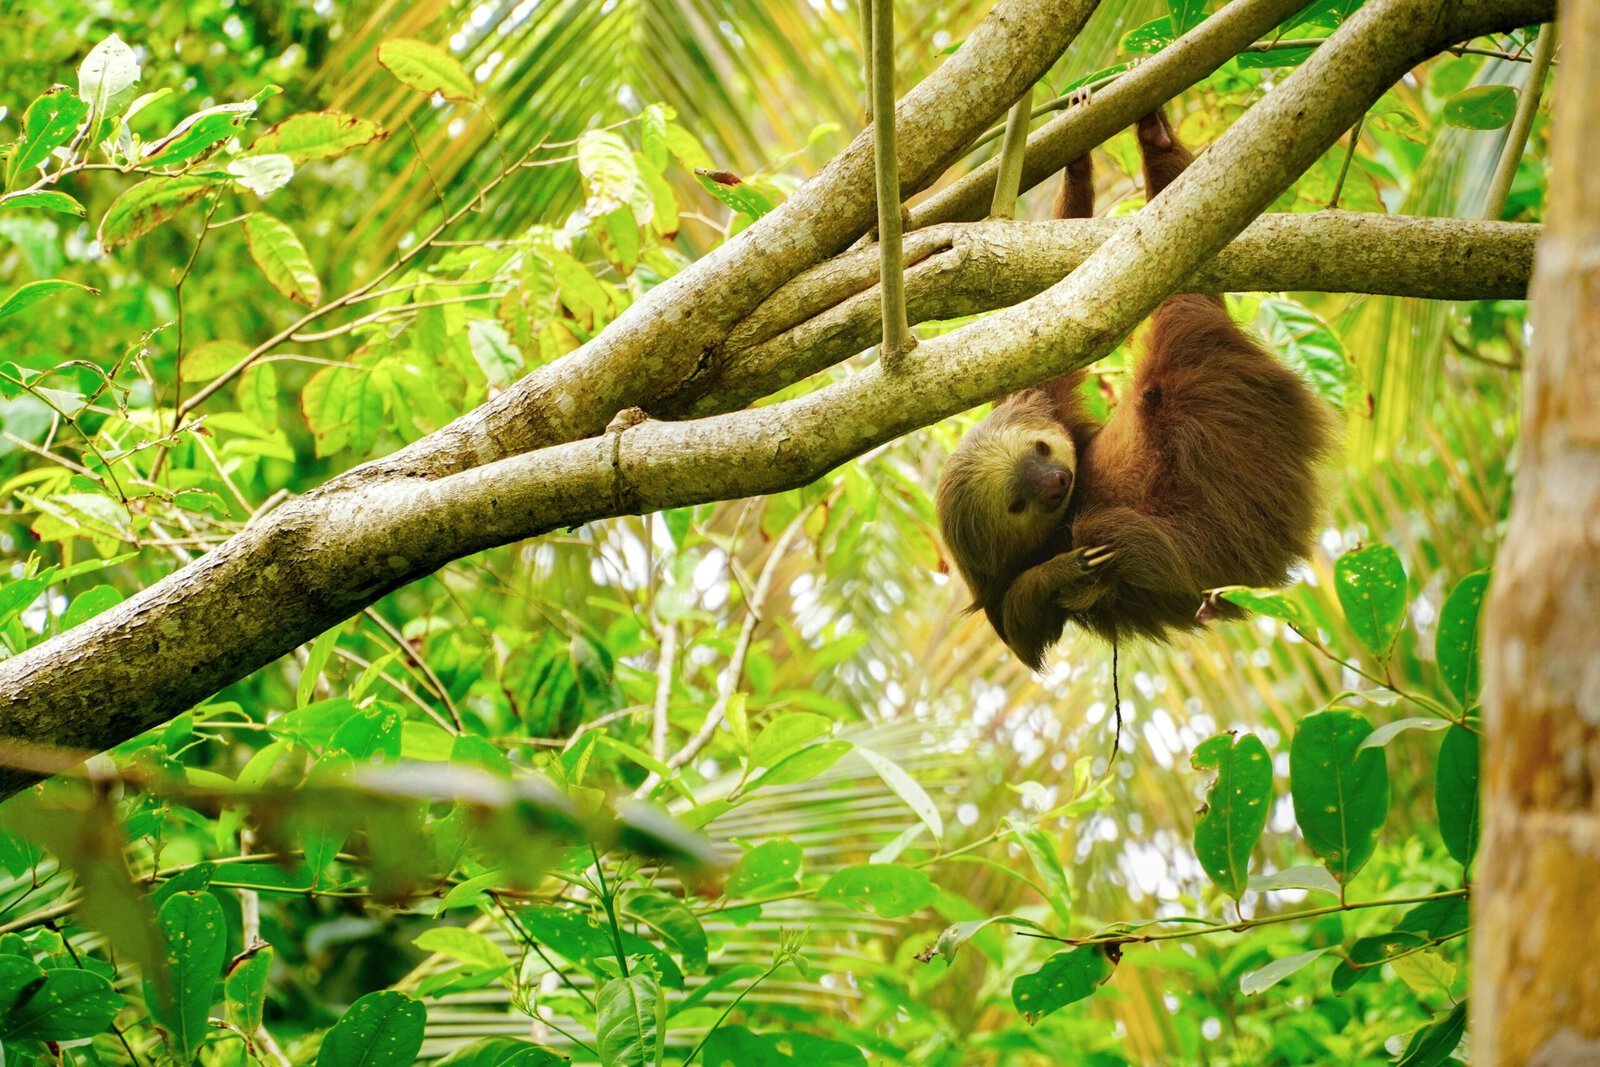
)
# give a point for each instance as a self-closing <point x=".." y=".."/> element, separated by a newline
<point x="1429" y="975"/>
<point x="1483" y="107"/>
<point x="1236" y="807"/>
<point x="198" y="133"/>
<point x="1456" y="643"/>
<point x="1149" y="38"/>
<point x="906" y="788"/>
<point x="195" y="946"/>
<point x="282" y="258"/>
<point x="784" y="734"/>
<point x="45" y="200"/>
<point x="20" y="979"/>
<point x="1312" y="878"/>
<point x="609" y="172"/>
<point x="958" y="934"/>
<point x="1273" y="603"/>
<point x="373" y="733"/>
<point x="1068" y="976"/>
<point x="463" y="945"/>
<point x="738" y="194"/>
<point x="1275" y="57"/>
<point x="1186" y="14"/>
<point x="1391" y="730"/>
<point x="31" y="293"/>
<point x="1264" y="978"/>
<point x="317" y="135"/>
<point x="1341" y="792"/>
<point x="889" y="889"/>
<point x="316" y="660"/>
<point x="49" y="123"/>
<point x="427" y="69"/>
<point x="245" y="989"/>
<point x="1372" y="590"/>
<point x="108" y="69"/>
<point x="261" y="174"/>
<point x="88" y="604"/>
<point x="206" y="361"/>
<point x="382" y="1029"/>
<point x="493" y="352"/>
<point x="1433" y="1044"/>
<point x="631" y="1025"/>
<point x="1042" y="850"/>
<point x="772" y="866"/>
<point x="1307" y="344"/>
<point x="503" y="1052"/>
<point x="672" y="920"/>
<point x="143" y="207"/>
<point x="1456" y="793"/>
<point x="803" y="765"/>
<point x="67" y="1005"/>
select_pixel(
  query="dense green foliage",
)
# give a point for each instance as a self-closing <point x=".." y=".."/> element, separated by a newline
<point x="246" y="246"/>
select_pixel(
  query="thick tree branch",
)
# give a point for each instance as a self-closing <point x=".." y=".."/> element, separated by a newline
<point x="322" y="558"/>
<point x="829" y="313"/>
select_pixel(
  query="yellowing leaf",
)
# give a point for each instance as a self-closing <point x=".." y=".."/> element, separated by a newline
<point x="426" y="68"/>
<point x="147" y="205"/>
<point x="317" y="135"/>
<point x="282" y="258"/>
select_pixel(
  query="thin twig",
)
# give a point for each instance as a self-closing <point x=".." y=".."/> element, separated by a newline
<point x="897" y="338"/>
<point x="1505" y="170"/>
<point x="1008" y="179"/>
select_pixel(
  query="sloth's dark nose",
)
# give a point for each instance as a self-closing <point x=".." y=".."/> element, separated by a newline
<point x="1054" y="490"/>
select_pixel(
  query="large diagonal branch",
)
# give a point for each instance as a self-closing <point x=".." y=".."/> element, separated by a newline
<point x="662" y="339"/>
<point x="320" y="559"/>
<point x="829" y="313"/>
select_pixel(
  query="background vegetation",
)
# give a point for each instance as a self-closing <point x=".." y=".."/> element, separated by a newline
<point x="873" y="775"/>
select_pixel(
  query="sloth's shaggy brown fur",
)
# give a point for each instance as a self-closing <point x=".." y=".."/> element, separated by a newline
<point x="1204" y="476"/>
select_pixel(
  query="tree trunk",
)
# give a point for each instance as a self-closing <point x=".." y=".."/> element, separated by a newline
<point x="1537" y="953"/>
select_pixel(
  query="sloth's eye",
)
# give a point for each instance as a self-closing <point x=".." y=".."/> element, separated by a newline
<point x="1017" y="507"/>
<point x="1041" y="448"/>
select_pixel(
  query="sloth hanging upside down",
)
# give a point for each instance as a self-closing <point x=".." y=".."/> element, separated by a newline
<point x="1205" y="475"/>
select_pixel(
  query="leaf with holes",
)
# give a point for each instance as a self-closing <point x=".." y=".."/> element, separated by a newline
<point x="245" y="989"/>
<point x="1456" y="643"/>
<point x="282" y="258"/>
<point x="1236" y="808"/>
<point x="195" y="939"/>
<point x="1482" y="107"/>
<point x="379" y="1030"/>
<point x="889" y="889"/>
<point x="143" y="207"/>
<point x="49" y="123"/>
<point x="1455" y="791"/>
<point x="1372" y="590"/>
<point x="1340" y="790"/>
<point x="426" y="68"/>
<point x="1068" y="976"/>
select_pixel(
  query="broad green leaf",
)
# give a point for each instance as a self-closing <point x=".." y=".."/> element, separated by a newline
<point x="204" y="362"/>
<point x="906" y="788"/>
<point x="20" y="979"/>
<point x="1068" y="976"/>
<point x="427" y="69"/>
<point x="108" y="69"/>
<point x="282" y="258"/>
<point x="803" y="765"/>
<point x="1456" y="643"/>
<point x="493" y="352"/>
<point x="31" y="293"/>
<point x="1433" y="1044"/>
<point x="68" y="1005"/>
<point x="958" y="934"/>
<point x="43" y="200"/>
<point x="316" y="659"/>
<point x="1391" y="730"/>
<point x="1307" y="344"/>
<point x="785" y="734"/>
<point x="1236" y="807"/>
<point x="772" y="866"/>
<point x="49" y="123"/>
<point x="737" y="1046"/>
<point x="889" y="889"/>
<point x="198" y="133"/>
<point x="631" y="1025"/>
<point x="1149" y="38"/>
<point x="1042" y="849"/>
<point x="502" y="1052"/>
<point x="195" y="940"/>
<point x="382" y="1029"/>
<point x="1368" y="955"/>
<point x="1264" y="978"/>
<point x="1186" y="14"/>
<point x="742" y="196"/>
<point x="1273" y="603"/>
<point x="1456" y="793"/>
<point x="1482" y="107"/>
<point x="371" y="734"/>
<point x="464" y="946"/>
<point x="89" y="603"/>
<point x="143" y="207"/>
<point x="245" y="989"/>
<point x="610" y="174"/>
<point x="1313" y="878"/>
<point x="672" y="920"/>
<point x="317" y="135"/>
<point x="1429" y="975"/>
<point x="1372" y="590"/>
<point x="1341" y="792"/>
<point x="262" y="174"/>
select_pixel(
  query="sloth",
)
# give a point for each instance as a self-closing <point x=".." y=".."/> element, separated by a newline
<point x="1204" y="476"/>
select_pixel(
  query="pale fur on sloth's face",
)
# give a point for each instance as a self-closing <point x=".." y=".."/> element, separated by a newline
<point x="988" y="517"/>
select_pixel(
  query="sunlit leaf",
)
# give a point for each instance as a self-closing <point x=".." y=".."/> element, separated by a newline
<point x="108" y="69"/>
<point x="1236" y="807"/>
<point x="1482" y="107"/>
<point x="381" y="1029"/>
<point x="282" y="258"/>
<point x="48" y="124"/>
<point x="317" y="135"/>
<point x="1264" y="978"/>
<point x="1340" y="790"/>
<point x="143" y="207"/>
<point x="1456" y="642"/>
<point x="196" y="945"/>
<point x="426" y="68"/>
<point x="43" y="200"/>
<point x="1372" y="589"/>
<point x="1068" y="976"/>
<point x="27" y="295"/>
<point x="889" y="889"/>
<point x="631" y="1022"/>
